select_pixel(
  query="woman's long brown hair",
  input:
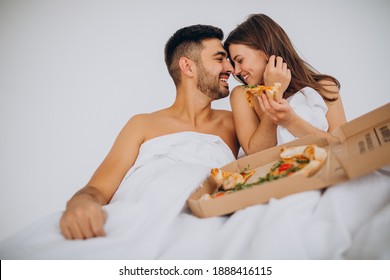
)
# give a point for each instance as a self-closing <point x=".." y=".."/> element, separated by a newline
<point x="260" y="32"/>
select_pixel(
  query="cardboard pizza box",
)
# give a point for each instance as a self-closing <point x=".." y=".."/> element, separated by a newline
<point x="363" y="148"/>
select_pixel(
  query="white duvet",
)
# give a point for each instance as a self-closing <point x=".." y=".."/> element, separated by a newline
<point x="308" y="104"/>
<point x="148" y="217"/>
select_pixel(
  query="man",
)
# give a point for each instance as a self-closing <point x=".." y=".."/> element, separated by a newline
<point x="199" y="68"/>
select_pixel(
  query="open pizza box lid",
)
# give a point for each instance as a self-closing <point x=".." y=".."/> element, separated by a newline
<point x="365" y="143"/>
<point x="364" y="147"/>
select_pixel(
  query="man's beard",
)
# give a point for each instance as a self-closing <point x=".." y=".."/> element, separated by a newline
<point x="209" y="85"/>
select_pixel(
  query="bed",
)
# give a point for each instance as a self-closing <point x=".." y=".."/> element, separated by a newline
<point x="148" y="218"/>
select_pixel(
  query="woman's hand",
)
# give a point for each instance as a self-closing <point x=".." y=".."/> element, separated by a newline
<point x="280" y="112"/>
<point x="276" y="71"/>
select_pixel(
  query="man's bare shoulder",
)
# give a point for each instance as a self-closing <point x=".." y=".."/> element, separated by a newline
<point x="219" y="113"/>
<point x="224" y="118"/>
<point x="139" y="123"/>
<point x="144" y="118"/>
<point x="148" y="125"/>
<point x="137" y="119"/>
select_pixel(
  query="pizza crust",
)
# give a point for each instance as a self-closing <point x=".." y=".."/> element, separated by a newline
<point x="311" y="152"/>
<point x="311" y="168"/>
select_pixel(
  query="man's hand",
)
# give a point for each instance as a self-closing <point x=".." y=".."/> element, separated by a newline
<point x="83" y="218"/>
<point x="276" y="71"/>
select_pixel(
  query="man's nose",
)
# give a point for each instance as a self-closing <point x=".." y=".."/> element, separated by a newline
<point x="228" y="66"/>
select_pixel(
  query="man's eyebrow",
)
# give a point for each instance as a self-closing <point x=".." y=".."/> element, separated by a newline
<point x="224" y="54"/>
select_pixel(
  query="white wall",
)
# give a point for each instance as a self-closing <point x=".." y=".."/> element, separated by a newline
<point x="73" y="72"/>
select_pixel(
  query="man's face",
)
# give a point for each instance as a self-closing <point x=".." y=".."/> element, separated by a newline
<point x="214" y="70"/>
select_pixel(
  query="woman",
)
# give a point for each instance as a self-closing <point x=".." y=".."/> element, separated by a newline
<point x="262" y="53"/>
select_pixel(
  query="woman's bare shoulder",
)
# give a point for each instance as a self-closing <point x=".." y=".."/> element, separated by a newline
<point x="332" y="89"/>
<point x="237" y="90"/>
<point x="237" y="95"/>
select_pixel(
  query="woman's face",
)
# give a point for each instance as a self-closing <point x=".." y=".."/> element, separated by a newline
<point x="248" y="63"/>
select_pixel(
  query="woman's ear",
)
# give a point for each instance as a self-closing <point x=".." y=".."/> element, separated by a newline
<point x="187" y="66"/>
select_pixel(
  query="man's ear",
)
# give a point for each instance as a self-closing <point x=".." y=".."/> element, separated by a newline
<point x="187" y="66"/>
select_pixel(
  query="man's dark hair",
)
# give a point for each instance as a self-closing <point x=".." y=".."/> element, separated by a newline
<point x="187" y="42"/>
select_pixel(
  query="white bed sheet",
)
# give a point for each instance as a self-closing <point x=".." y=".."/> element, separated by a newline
<point x="148" y="217"/>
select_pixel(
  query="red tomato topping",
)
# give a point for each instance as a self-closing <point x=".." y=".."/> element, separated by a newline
<point x="285" y="166"/>
<point x="219" y="194"/>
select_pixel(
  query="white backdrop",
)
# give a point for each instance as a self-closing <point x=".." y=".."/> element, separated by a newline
<point x="73" y="72"/>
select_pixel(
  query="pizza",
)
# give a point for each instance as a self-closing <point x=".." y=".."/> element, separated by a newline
<point x="227" y="182"/>
<point x="272" y="92"/>
<point x="306" y="160"/>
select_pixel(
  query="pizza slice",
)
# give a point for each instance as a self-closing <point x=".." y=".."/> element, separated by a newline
<point x="229" y="180"/>
<point x="306" y="160"/>
<point x="309" y="158"/>
<point x="272" y="92"/>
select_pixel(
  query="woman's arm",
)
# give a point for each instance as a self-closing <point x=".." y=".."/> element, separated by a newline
<point x="253" y="134"/>
<point x="255" y="130"/>
<point x="84" y="216"/>
<point x="282" y="114"/>
<point x="336" y="114"/>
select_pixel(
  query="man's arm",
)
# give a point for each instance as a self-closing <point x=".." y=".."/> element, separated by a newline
<point x="84" y="216"/>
